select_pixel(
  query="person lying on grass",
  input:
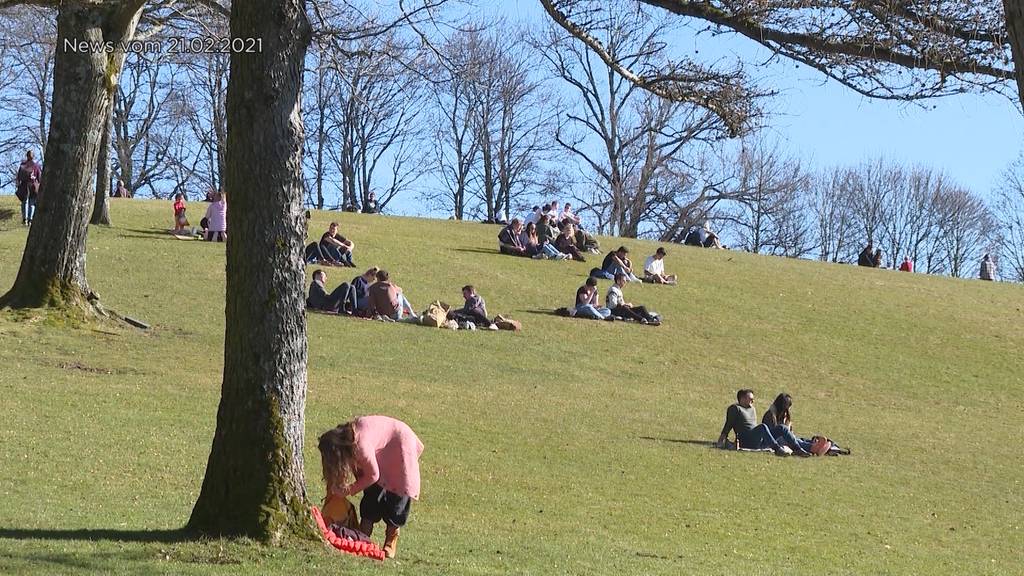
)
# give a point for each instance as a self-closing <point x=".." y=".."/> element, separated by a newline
<point x="340" y="300"/>
<point x="474" y="310"/>
<point x="654" y="269"/>
<point x="566" y="242"/>
<point x="586" y="302"/>
<point x="336" y="248"/>
<point x="509" y="241"/>
<point x="615" y="302"/>
<point x="388" y="300"/>
<point x="741" y="419"/>
<point x="378" y="456"/>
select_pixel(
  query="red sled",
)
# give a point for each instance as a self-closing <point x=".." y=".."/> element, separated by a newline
<point x="354" y="547"/>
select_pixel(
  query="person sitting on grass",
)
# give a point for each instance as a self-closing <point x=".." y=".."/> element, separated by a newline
<point x="217" y="219"/>
<point x="702" y="236"/>
<point x="779" y="420"/>
<point x="616" y="262"/>
<point x="654" y="269"/>
<point x="474" y="310"/>
<point x="615" y="302"/>
<point x="341" y="300"/>
<point x="509" y="241"/>
<point x="378" y="456"/>
<point x="388" y="300"/>
<point x="568" y="214"/>
<point x="867" y="256"/>
<point x="361" y="291"/>
<point x="741" y="419"/>
<point x="547" y="234"/>
<point x="336" y="248"/>
<point x="533" y="217"/>
<point x="907" y="265"/>
<point x="586" y="302"/>
<point x="585" y="241"/>
<point x="566" y="243"/>
<point x="534" y="248"/>
<point x="180" y="221"/>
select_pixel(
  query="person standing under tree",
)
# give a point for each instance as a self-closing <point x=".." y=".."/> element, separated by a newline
<point x="988" y="269"/>
<point x="27" y="187"/>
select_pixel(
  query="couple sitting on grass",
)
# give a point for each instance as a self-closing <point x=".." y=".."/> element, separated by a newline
<point x="618" y="262"/>
<point x="370" y="295"/>
<point x="616" y="307"/>
<point x="333" y="249"/>
<point x="774" y="432"/>
<point x="543" y="240"/>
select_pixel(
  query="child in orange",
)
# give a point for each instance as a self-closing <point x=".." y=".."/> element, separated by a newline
<point x="180" y="221"/>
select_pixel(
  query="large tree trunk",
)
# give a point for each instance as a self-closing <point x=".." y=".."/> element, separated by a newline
<point x="1015" y="26"/>
<point x="101" y="207"/>
<point x="254" y="484"/>
<point x="52" y="269"/>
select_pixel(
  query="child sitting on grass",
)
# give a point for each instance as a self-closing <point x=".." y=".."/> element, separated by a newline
<point x="378" y="456"/>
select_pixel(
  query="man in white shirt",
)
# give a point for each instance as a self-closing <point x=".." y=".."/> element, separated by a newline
<point x="654" y="269"/>
<point x="567" y="214"/>
<point x="533" y="216"/>
<point x="616" y="302"/>
<point x="552" y="211"/>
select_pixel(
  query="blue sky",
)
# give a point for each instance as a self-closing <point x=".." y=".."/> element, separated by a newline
<point x="973" y="137"/>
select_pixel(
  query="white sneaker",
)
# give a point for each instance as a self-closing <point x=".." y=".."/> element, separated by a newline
<point x="785" y="451"/>
<point x="492" y="327"/>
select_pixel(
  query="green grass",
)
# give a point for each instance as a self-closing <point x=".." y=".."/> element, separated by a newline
<point x="573" y="447"/>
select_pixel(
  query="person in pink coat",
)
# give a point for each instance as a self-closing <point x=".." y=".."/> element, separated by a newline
<point x="378" y="456"/>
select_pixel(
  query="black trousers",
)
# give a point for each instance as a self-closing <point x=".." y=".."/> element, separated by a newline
<point x="474" y="317"/>
<point x="379" y="504"/>
<point x="635" y="313"/>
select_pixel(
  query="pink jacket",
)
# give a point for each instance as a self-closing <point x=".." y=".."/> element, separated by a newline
<point x="217" y="216"/>
<point x="387" y="453"/>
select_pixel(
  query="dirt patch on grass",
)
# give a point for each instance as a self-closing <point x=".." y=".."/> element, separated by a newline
<point x="82" y="367"/>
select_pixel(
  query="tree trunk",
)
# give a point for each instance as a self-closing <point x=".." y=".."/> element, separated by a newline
<point x="52" y="269"/>
<point x="101" y="208"/>
<point x="254" y="484"/>
<point x="1015" y="26"/>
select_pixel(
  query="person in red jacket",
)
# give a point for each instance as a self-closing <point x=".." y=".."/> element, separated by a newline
<point x="907" y="265"/>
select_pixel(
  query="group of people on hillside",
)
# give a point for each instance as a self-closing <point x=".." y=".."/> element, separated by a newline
<point x="368" y="295"/>
<point x="545" y="239"/>
<point x="616" y="307"/>
<point x="872" y="258"/>
<point x="702" y="236"/>
<point x="213" y="225"/>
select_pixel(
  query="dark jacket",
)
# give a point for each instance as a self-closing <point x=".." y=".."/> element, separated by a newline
<point x="27" y="180"/>
<point x="509" y="237"/>
<point x="317" y="297"/>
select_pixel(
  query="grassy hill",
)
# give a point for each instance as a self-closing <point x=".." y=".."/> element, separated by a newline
<point x="573" y="447"/>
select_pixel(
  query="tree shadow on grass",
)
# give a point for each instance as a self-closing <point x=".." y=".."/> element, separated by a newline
<point x="708" y="443"/>
<point x="480" y="251"/>
<point x="95" y="534"/>
<point x="6" y="214"/>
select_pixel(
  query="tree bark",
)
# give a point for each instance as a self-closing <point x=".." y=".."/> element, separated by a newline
<point x="254" y="484"/>
<point x="52" y="272"/>
<point x="1015" y="26"/>
<point x="101" y="207"/>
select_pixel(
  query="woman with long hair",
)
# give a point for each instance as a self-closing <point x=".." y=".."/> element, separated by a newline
<point x="378" y="456"/>
<point x="779" y="421"/>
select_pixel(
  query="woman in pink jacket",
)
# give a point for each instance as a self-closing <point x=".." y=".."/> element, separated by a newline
<point x="379" y="456"/>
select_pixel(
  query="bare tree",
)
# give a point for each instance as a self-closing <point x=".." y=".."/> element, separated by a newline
<point x="29" y="35"/>
<point x="1009" y="212"/>
<point x="769" y="213"/>
<point x="965" y="226"/>
<point x="832" y="213"/>
<point x="634" y="145"/>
